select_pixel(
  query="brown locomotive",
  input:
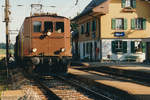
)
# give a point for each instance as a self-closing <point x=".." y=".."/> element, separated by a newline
<point x="44" y="40"/>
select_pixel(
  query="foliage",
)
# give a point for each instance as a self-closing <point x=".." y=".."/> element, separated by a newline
<point x="3" y="46"/>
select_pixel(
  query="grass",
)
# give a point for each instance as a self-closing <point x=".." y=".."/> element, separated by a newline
<point x="3" y="51"/>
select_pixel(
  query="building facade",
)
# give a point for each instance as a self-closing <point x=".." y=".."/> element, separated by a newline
<point x="117" y="30"/>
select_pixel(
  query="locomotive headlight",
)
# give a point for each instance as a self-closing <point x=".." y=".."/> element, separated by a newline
<point x="63" y="49"/>
<point x="34" y="50"/>
<point x="49" y="33"/>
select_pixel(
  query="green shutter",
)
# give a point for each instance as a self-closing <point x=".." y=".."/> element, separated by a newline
<point x="113" y="23"/>
<point x="132" y="47"/>
<point x="133" y="24"/>
<point x="113" y="47"/>
<point x="123" y="3"/>
<point x="124" y="46"/>
<point x="134" y="3"/>
<point x="125" y="24"/>
<point x="143" y="47"/>
<point x="144" y="24"/>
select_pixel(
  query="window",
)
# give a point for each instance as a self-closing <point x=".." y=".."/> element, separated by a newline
<point x="37" y="26"/>
<point x="119" y="46"/>
<point x="87" y="27"/>
<point x="48" y="26"/>
<point x="138" y="46"/>
<point x="128" y="3"/>
<point x="87" y="48"/>
<point x="82" y="29"/>
<point x="139" y="24"/>
<point x="119" y="24"/>
<point x="94" y="25"/>
<point x="83" y="49"/>
<point x="59" y="27"/>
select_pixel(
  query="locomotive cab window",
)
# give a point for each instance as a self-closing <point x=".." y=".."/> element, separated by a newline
<point x="48" y="26"/>
<point x="59" y="27"/>
<point x="37" y="26"/>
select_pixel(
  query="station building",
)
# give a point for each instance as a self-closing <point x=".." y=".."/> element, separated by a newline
<point x="117" y="30"/>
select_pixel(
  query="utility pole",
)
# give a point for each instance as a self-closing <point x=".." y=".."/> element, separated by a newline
<point x="7" y="32"/>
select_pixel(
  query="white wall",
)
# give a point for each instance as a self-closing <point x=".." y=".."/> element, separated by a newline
<point x="93" y="50"/>
<point x="107" y="50"/>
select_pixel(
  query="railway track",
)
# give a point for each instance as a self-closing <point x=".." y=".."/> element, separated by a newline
<point x="62" y="89"/>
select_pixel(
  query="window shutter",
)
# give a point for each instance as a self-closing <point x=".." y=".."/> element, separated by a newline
<point x="132" y="47"/>
<point x="144" y="24"/>
<point x="124" y="46"/>
<point x="113" y="47"/>
<point x="123" y="3"/>
<point x="133" y="24"/>
<point x="143" y="47"/>
<point x="113" y="23"/>
<point x="134" y="3"/>
<point x="125" y="24"/>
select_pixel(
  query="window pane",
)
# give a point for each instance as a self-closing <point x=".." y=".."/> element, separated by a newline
<point x="118" y="46"/>
<point x="94" y="25"/>
<point x="82" y="29"/>
<point x="138" y="23"/>
<point x="37" y="26"/>
<point x="128" y="3"/>
<point x="119" y="23"/>
<point x="59" y="27"/>
<point x="48" y="26"/>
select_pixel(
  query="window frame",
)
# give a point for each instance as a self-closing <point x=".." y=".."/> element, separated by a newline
<point x="94" y="25"/>
<point x="52" y="26"/>
<point x="121" y="27"/>
<point x="34" y="27"/>
<point x="122" y="46"/>
<point x="131" y="6"/>
<point x="114" y="24"/>
<point x="138" y="22"/>
<point x="82" y="28"/>
<point x="56" y="27"/>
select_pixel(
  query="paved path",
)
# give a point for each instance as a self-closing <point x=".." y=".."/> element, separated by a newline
<point x="140" y="91"/>
<point x="125" y="66"/>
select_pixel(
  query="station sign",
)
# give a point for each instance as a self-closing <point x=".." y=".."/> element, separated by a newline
<point x="119" y="34"/>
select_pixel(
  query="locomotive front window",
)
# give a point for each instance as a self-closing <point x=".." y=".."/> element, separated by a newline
<point x="59" y="27"/>
<point x="37" y="26"/>
<point x="48" y="26"/>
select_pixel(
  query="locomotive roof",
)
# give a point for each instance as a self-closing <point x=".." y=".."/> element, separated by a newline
<point x="46" y="16"/>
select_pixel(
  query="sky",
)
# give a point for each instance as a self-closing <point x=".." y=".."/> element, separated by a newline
<point x="65" y="8"/>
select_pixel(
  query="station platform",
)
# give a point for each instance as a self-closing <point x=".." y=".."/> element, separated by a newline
<point x="134" y="67"/>
<point x="139" y="91"/>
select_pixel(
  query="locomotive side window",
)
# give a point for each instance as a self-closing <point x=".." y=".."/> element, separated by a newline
<point x="59" y="27"/>
<point x="37" y="26"/>
<point x="48" y="26"/>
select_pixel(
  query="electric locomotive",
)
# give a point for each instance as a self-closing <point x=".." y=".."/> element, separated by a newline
<point x="43" y="42"/>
